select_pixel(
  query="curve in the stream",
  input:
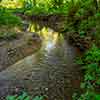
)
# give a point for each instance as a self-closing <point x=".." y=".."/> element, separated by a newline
<point x="50" y="71"/>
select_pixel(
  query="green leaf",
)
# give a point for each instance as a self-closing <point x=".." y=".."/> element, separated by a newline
<point x="82" y="34"/>
<point x="39" y="98"/>
<point x="97" y="97"/>
<point x="27" y="98"/>
<point x="89" y="77"/>
<point x="98" y="81"/>
<point x="11" y="98"/>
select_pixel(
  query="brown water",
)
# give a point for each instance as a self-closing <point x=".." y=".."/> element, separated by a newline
<point x="51" y="71"/>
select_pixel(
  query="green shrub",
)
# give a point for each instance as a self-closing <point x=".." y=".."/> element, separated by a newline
<point x="24" y="96"/>
<point x="91" y="67"/>
<point x="8" y="19"/>
<point x="87" y="24"/>
<point x="8" y="36"/>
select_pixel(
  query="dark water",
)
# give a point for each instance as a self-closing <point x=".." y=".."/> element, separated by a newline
<point x="51" y="71"/>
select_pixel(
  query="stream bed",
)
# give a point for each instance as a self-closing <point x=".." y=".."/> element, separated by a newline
<point x="50" y="71"/>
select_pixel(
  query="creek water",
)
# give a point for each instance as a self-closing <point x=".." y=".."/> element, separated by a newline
<point x="50" y="71"/>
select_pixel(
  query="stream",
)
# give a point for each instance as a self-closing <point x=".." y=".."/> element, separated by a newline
<point x="50" y="71"/>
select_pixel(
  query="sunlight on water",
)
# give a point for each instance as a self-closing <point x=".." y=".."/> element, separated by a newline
<point x="49" y="37"/>
<point x="51" y="41"/>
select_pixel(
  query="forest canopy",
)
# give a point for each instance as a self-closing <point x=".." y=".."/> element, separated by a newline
<point x="49" y="6"/>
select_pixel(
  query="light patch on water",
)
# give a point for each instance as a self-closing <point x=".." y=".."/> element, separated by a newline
<point x="49" y="46"/>
<point x="51" y="42"/>
<point x="49" y="37"/>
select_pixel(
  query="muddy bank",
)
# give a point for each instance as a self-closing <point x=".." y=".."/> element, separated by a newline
<point x="15" y="50"/>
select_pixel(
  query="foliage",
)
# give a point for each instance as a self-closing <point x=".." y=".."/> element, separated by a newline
<point x="24" y="96"/>
<point x="91" y="67"/>
<point x="8" y="22"/>
<point x="88" y="95"/>
<point x="11" y="3"/>
<point x="40" y="6"/>
<point x="88" y="24"/>
<point x="8" y="36"/>
<point x="8" y="19"/>
<point x="82" y="17"/>
<point x="97" y="15"/>
<point x="52" y="6"/>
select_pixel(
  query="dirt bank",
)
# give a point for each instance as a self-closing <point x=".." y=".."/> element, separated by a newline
<point x="14" y="50"/>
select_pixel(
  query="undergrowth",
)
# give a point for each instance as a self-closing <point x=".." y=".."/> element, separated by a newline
<point x="8" y="19"/>
<point x="24" y="96"/>
<point x="8" y="35"/>
<point x="90" y="63"/>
